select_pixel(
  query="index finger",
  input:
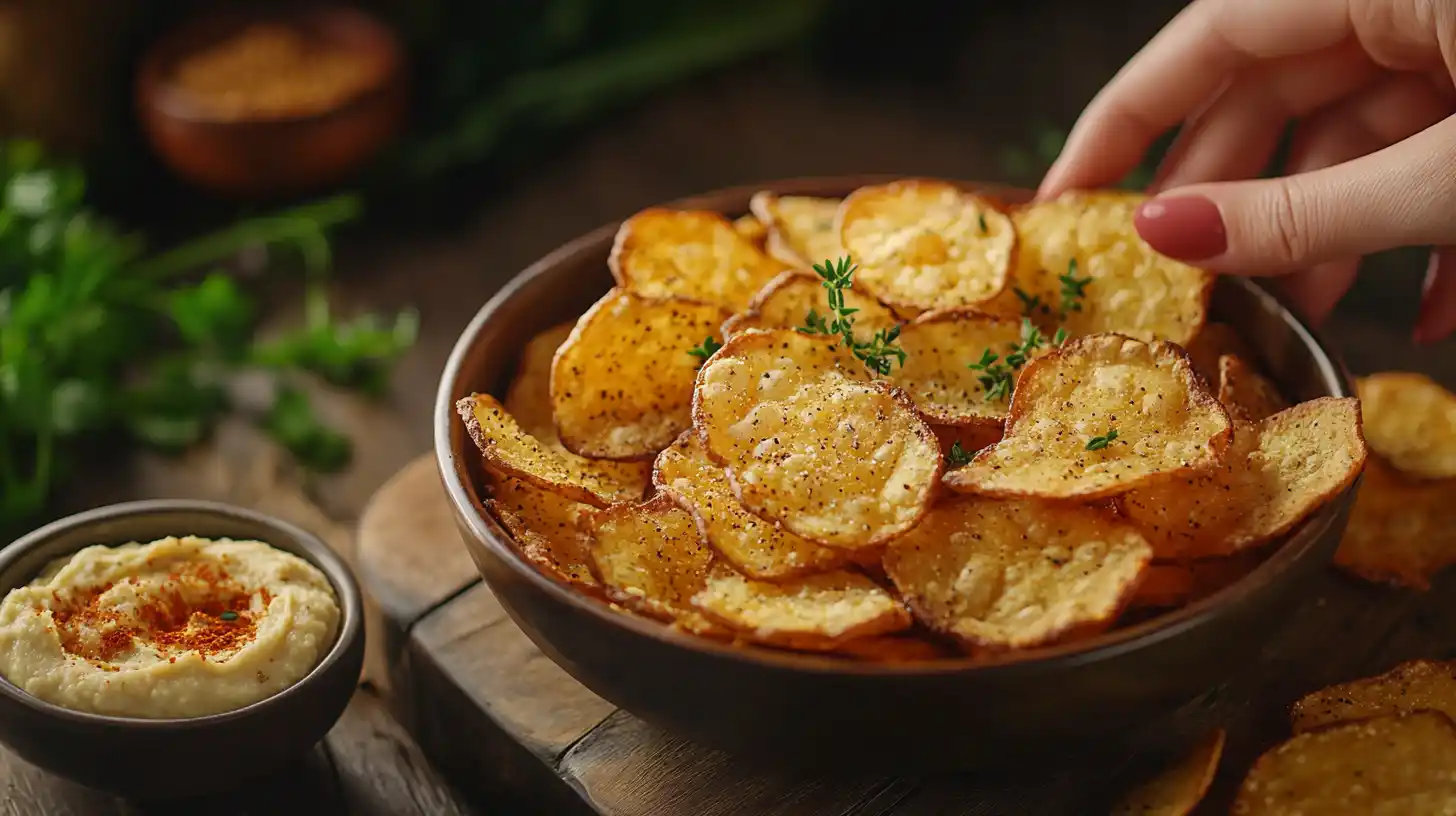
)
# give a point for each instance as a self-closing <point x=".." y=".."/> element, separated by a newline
<point x="1180" y="70"/>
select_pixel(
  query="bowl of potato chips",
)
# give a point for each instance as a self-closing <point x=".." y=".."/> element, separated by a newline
<point x="894" y="472"/>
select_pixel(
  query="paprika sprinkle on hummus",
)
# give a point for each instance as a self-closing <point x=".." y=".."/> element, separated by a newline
<point x="180" y="627"/>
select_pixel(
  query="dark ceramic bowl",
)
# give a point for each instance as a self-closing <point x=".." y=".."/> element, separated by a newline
<point x="161" y="759"/>
<point x="1104" y="693"/>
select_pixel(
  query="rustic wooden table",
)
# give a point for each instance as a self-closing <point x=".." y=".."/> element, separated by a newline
<point x="1022" y="67"/>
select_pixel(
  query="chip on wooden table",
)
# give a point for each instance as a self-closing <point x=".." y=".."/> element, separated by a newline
<point x="786" y="301"/>
<point x="691" y="254"/>
<point x="1177" y="789"/>
<point x="1416" y="685"/>
<point x="1382" y="766"/>
<point x="800" y="228"/>
<point x="924" y="245"/>
<point x="810" y="441"/>
<point x="650" y="558"/>
<point x="1246" y="393"/>
<point x="1213" y="341"/>
<point x="1099" y="416"/>
<point x="528" y="398"/>
<point x="1085" y="242"/>
<point x="901" y="648"/>
<point x="1410" y="420"/>
<point x="1278" y="471"/>
<point x="757" y="548"/>
<point x="1009" y="574"/>
<point x="1402" y="530"/>
<point x="622" y="383"/>
<point x="939" y="346"/>
<point x="815" y="612"/>
<point x="513" y="452"/>
<point x="546" y="528"/>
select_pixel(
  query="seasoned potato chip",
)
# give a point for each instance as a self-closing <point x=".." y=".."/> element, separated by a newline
<point x="622" y="384"/>
<point x="1004" y="574"/>
<point x="938" y="347"/>
<point x="927" y="245"/>
<point x="528" y="398"/>
<point x="1417" y="685"/>
<point x="752" y="230"/>
<point x="1178" y="789"/>
<point x="1278" y="471"/>
<point x="1129" y="289"/>
<point x="801" y="228"/>
<point x="1401" y="530"/>
<point x="1245" y="392"/>
<point x="787" y="300"/>
<point x="809" y="442"/>
<point x="1099" y="416"/>
<point x="1385" y="765"/>
<point x="905" y="648"/>
<point x="1213" y="341"/>
<point x="1410" y="420"/>
<point x="689" y="254"/>
<point x="546" y="527"/>
<point x="757" y="548"/>
<point x="816" y="612"/>
<point x="513" y="452"/>
<point x="650" y="559"/>
<point x="1164" y="585"/>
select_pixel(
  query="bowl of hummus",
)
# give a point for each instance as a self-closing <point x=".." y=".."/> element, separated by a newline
<point x="139" y="640"/>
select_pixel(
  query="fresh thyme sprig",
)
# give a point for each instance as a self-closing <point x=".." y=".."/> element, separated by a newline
<point x="1100" y="442"/>
<point x="1073" y="289"/>
<point x="995" y="377"/>
<point x="879" y="353"/>
<point x="706" y="350"/>
<point x="998" y="377"/>
<point x="958" y="456"/>
<point x="1030" y="304"/>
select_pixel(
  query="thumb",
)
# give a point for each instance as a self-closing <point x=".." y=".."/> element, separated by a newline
<point x="1404" y="195"/>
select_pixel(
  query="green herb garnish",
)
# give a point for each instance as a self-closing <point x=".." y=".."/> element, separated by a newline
<point x="706" y="350"/>
<point x="995" y="377"/>
<point x="958" y="456"/>
<point x="229" y="615"/>
<point x="1100" y="442"/>
<point x="981" y="220"/>
<point x="1031" y="340"/>
<point x="1029" y="303"/>
<point x="879" y="353"/>
<point x="1073" y="289"/>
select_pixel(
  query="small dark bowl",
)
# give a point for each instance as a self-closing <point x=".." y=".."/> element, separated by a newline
<point x="267" y="157"/>
<point x="162" y="759"/>
<point x="1100" y="696"/>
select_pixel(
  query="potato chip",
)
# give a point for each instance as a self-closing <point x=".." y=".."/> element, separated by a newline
<point x="622" y="384"/>
<point x="938" y="348"/>
<point x="753" y="230"/>
<point x="528" y="398"/>
<point x="1086" y="241"/>
<point x="1417" y="685"/>
<point x="513" y="452"/>
<point x="689" y="254"/>
<point x="924" y="245"/>
<point x="904" y="648"/>
<point x="650" y="558"/>
<point x="1213" y="341"/>
<point x="787" y="300"/>
<point x="1099" y="416"/>
<point x="1410" y="420"/>
<point x="1164" y="586"/>
<point x="1178" y="789"/>
<point x="816" y="612"/>
<point x="1004" y="574"/>
<point x="1278" y="472"/>
<point x="1383" y="765"/>
<point x="801" y="228"/>
<point x="810" y="442"/>
<point x="546" y="528"/>
<point x="757" y="548"/>
<point x="1246" y="393"/>
<point x="1401" y="530"/>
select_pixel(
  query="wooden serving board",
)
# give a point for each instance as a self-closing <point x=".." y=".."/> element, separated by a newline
<point x="508" y="725"/>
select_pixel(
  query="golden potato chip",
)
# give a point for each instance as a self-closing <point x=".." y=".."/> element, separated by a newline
<point x="753" y="230"/>
<point x="1163" y="586"/>
<point x="800" y="228"/>
<point x="902" y="648"/>
<point x="924" y="245"/>
<point x="1099" y="416"/>
<point x="1355" y="769"/>
<point x="1410" y="420"/>
<point x="816" y="612"/>
<point x="1246" y="393"/>
<point x="1178" y="789"/>
<point x="757" y="548"/>
<point x="1004" y="574"/>
<point x="1278" y="471"/>
<point x="1401" y="530"/>
<point x="939" y="346"/>
<point x="689" y="254"/>
<point x="528" y="398"/>
<point x="1417" y="685"/>
<point x="622" y="384"/>
<point x="810" y="442"/>
<point x="1213" y="341"/>
<point x="1085" y="242"/>
<point x="787" y="300"/>
<point x="546" y="528"/>
<point x="650" y="558"/>
<point x="513" y="452"/>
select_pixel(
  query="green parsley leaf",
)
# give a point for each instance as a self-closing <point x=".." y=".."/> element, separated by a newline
<point x="292" y="423"/>
<point x="706" y="350"/>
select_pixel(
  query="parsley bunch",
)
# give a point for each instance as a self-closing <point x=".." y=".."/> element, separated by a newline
<point x="879" y="353"/>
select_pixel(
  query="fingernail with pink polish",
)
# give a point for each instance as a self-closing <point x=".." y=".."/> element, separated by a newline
<point x="1186" y="228"/>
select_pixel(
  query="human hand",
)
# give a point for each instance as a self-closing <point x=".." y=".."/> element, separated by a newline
<point x="1371" y="85"/>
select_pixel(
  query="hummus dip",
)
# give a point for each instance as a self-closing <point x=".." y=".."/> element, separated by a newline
<point x="180" y="627"/>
